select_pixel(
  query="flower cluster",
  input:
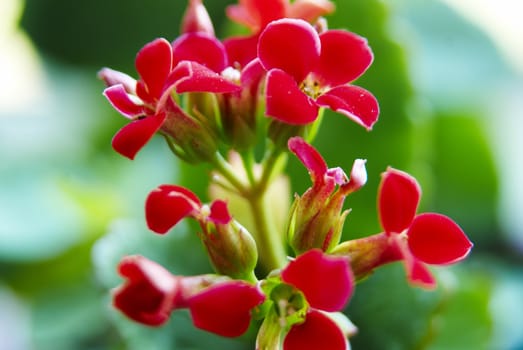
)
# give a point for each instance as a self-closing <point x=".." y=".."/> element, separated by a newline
<point x="215" y="102"/>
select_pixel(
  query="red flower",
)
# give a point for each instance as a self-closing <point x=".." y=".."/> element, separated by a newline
<point x="317" y="218"/>
<point x="327" y="284"/>
<point x="217" y="304"/>
<point x="307" y="70"/>
<point x="256" y="14"/>
<point x="230" y="247"/>
<point x="147" y="102"/>
<point x="421" y="239"/>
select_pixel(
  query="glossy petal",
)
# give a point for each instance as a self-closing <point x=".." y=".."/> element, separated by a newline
<point x="398" y="200"/>
<point x="196" y="19"/>
<point x="201" y="48"/>
<point x="344" y="57"/>
<point x="317" y="332"/>
<point x="190" y="76"/>
<point x="326" y="281"/>
<point x="153" y="63"/>
<point x="113" y="77"/>
<point x="309" y="156"/>
<point x="310" y="10"/>
<point x="167" y="205"/>
<point x="225" y="309"/>
<point x="352" y="101"/>
<point x="148" y="294"/>
<point x="122" y="101"/>
<point x="256" y="14"/>
<point x="219" y="213"/>
<point x="241" y="50"/>
<point x="286" y="102"/>
<point x="291" y="45"/>
<point x="131" y="138"/>
<point x="436" y="239"/>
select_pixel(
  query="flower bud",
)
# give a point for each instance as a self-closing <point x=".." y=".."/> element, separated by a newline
<point x="196" y="19"/>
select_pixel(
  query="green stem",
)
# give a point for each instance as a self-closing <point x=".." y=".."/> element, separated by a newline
<point x="224" y="168"/>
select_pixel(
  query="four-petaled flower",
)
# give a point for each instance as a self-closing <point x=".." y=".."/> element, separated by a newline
<point x="307" y="70"/>
<point x="217" y="304"/>
<point x="148" y="102"/>
<point x="327" y="284"/>
<point x="427" y="238"/>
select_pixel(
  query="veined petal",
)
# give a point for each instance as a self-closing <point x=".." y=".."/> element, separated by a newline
<point x="291" y="45"/>
<point x="352" y="101"/>
<point x="153" y="63"/>
<point x="113" y="77"/>
<point x="317" y="332"/>
<point x="437" y="239"/>
<point x="398" y="198"/>
<point x="312" y="271"/>
<point x="122" y="101"/>
<point x="190" y="76"/>
<point x="286" y="102"/>
<point x="167" y="205"/>
<point x="241" y="50"/>
<point x="309" y="156"/>
<point x="148" y="295"/>
<point x="225" y="308"/>
<point x="344" y="57"/>
<point x="219" y="213"/>
<point x="132" y="137"/>
<point x="310" y="10"/>
<point x="201" y="48"/>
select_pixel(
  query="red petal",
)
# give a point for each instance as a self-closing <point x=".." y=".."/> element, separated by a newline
<point x="219" y="213"/>
<point x="148" y="295"/>
<point x="352" y="101"/>
<point x="132" y="137"/>
<point x="309" y="156"/>
<point x="122" y="102"/>
<point x="317" y="332"/>
<point x="201" y="48"/>
<point x="310" y="10"/>
<point x="398" y="199"/>
<point x="153" y="63"/>
<point x="167" y="205"/>
<point x="326" y="281"/>
<point x="436" y="239"/>
<point x="225" y="309"/>
<point x="196" y="19"/>
<point x="344" y="57"/>
<point x="190" y="76"/>
<point x="241" y="50"/>
<point x="256" y="14"/>
<point x="418" y="274"/>
<point x="286" y="102"/>
<point x="291" y="45"/>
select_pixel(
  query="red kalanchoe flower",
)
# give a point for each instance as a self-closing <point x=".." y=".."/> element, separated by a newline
<point x="230" y="247"/>
<point x="256" y="14"/>
<point x="327" y="284"/>
<point x="216" y="303"/>
<point x="317" y="218"/>
<point x="307" y="70"/>
<point x="421" y="239"/>
<point x="147" y="102"/>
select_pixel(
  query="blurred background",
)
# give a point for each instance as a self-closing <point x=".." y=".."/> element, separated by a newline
<point x="449" y="78"/>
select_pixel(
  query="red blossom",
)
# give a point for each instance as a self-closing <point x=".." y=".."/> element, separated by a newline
<point x="217" y="304"/>
<point x="147" y="102"/>
<point x="427" y="238"/>
<point x="149" y="294"/>
<point x="307" y="70"/>
<point x="327" y="284"/>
